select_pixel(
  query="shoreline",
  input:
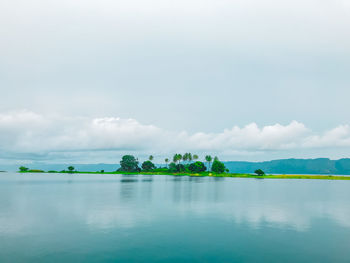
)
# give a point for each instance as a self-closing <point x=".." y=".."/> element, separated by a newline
<point x="207" y="174"/>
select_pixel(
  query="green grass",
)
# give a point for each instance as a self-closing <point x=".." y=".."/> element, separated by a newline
<point x="232" y="175"/>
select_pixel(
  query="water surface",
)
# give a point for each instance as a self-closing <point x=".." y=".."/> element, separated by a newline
<point x="142" y="218"/>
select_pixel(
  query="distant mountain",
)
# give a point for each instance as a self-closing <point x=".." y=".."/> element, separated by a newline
<point x="293" y="166"/>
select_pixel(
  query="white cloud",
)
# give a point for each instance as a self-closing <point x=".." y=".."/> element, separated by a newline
<point x="26" y="132"/>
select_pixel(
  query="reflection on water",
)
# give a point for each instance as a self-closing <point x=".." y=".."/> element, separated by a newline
<point x="106" y="218"/>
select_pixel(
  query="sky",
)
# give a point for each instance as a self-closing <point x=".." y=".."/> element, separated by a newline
<point x="87" y="81"/>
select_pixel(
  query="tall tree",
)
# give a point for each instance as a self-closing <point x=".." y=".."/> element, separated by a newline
<point x="150" y="158"/>
<point x="208" y="158"/>
<point x="166" y="162"/>
<point x="185" y="157"/>
<point x="129" y="164"/>
<point x="177" y="158"/>
<point x="218" y="167"/>
<point x="195" y="157"/>
<point x="189" y="155"/>
<point x="148" y="166"/>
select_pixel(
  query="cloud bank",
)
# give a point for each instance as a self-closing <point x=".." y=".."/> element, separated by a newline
<point x="25" y="135"/>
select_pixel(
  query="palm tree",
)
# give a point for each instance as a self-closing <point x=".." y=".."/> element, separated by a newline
<point x="177" y="158"/>
<point x="195" y="157"/>
<point x="166" y="162"/>
<point x="208" y="158"/>
<point x="150" y="157"/>
<point x="185" y="157"/>
<point x="189" y="155"/>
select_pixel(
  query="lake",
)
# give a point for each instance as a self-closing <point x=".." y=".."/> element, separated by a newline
<point x="143" y="218"/>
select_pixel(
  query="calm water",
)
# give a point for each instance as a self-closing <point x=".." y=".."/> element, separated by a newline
<point x="123" y="218"/>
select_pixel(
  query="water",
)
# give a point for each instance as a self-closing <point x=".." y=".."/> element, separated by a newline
<point x="127" y="218"/>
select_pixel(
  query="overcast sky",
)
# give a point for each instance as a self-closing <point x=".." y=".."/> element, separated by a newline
<point x="86" y="81"/>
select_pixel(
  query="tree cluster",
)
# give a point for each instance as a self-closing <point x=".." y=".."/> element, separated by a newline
<point x="180" y="163"/>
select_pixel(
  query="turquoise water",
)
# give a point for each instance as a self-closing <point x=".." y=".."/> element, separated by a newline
<point x="127" y="218"/>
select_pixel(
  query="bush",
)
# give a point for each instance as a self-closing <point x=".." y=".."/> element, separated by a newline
<point x="259" y="172"/>
<point x="180" y="168"/>
<point x="172" y="167"/>
<point x="148" y="166"/>
<point x="35" y="171"/>
<point x="176" y="168"/>
<point x="218" y="167"/>
<point x="197" y="167"/>
<point x="129" y="164"/>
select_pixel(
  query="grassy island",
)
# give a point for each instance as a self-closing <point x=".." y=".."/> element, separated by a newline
<point x="182" y="165"/>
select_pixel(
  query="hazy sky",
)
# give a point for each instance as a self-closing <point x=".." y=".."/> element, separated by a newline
<point x="86" y="81"/>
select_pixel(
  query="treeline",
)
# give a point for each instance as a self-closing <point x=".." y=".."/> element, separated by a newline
<point x="180" y="163"/>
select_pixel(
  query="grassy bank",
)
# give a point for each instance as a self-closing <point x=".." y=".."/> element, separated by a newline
<point x="232" y="175"/>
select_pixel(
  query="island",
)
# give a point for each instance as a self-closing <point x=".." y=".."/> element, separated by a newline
<point x="185" y="165"/>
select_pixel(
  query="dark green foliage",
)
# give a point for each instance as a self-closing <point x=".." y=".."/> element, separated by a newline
<point x="71" y="169"/>
<point x="148" y="166"/>
<point x="172" y="167"/>
<point x="180" y="168"/>
<point x="102" y="171"/>
<point x="218" y="167"/>
<point x="197" y="167"/>
<point x="176" y="168"/>
<point x="259" y="172"/>
<point x="129" y="164"/>
<point x="23" y="169"/>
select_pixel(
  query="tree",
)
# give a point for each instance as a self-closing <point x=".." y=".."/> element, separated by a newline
<point x="71" y="169"/>
<point x="150" y="158"/>
<point x="189" y="156"/>
<point x="218" y="167"/>
<point x="177" y="158"/>
<point x="185" y="157"/>
<point x="197" y="167"/>
<point x="259" y="172"/>
<point x="195" y="157"/>
<point x="129" y="164"/>
<point x="23" y="169"/>
<point x="166" y="162"/>
<point x="148" y="166"/>
<point x="208" y="158"/>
